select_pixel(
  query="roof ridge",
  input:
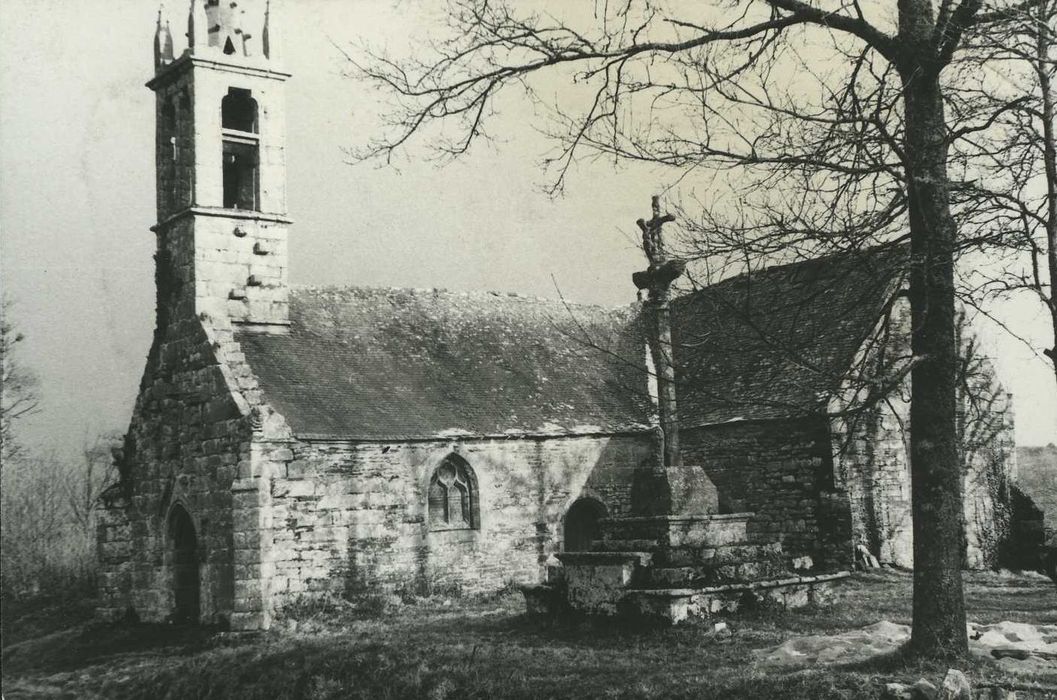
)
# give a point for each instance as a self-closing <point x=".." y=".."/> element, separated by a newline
<point x="880" y="249"/>
<point x="453" y="293"/>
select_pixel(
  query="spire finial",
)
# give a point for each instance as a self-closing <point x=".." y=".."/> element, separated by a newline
<point x="269" y="42"/>
<point x="197" y="26"/>
<point x="163" y="49"/>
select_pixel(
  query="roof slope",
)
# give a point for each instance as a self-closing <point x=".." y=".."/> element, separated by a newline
<point x="398" y="363"/>
<point x="775" y="343"/>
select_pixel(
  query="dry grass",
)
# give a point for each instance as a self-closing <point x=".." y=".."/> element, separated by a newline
<point x="466" y="649"/>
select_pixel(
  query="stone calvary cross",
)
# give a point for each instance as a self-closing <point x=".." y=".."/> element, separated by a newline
<point x="657" y="280"/>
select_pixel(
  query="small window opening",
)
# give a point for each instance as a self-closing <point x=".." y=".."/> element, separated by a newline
<point x="229" y="48"/>
<point x="238" y="111"/>
<point x="453" y="496"/>
<point x="167" y="156"/>
<point x="168" y="113"/>
<point x="240" y="175"/>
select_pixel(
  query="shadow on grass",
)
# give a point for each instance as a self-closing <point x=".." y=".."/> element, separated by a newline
<point x="489" y="648"/>
<point x="93" y="642"/>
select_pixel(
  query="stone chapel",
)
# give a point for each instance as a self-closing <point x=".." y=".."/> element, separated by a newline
<point x="296" y="441"/>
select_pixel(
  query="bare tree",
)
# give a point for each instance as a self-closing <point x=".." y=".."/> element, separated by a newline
<point x="88" y="479"/>
<point x="1005" y="156"/>
<point x="856" y="155"/>
<point x="41" y="547"/>
<point x="18" y="386"/>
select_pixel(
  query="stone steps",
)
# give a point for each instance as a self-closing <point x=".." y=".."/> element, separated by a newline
<point x="629" y="545"/>
<point x="746" y="571"/>
<point x="675" y="605"/>
<point x="721" y="555"/>
<point x="674" y="567"/>
<point x="673" y="531"/>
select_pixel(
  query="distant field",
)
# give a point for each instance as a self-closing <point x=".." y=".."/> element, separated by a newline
<point x="1037" y="475"/>
<point x="444" y="649"/>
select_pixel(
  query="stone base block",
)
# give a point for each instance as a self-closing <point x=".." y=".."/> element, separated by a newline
<point x="675" y="605"/>
<point x="679" y="530"/>
<point x="595" y="582"/>
<point x="683" y="490"/>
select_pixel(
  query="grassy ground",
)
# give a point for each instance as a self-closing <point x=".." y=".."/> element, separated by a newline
<point x="488" y="649"/>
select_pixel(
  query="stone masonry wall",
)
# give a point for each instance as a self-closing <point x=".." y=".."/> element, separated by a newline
<point x="871" y="463"/>
<point x="871" y="450"/>
<point x="781" y="471"/>
<point x="186" y="439"/>
<point x="352" y="517"/>
<point x="235" y="260"/>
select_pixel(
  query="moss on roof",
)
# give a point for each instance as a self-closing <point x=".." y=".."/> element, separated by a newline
<point x="777" y="342"/>
<point x="401" y="363"/>
<point x="384" y="364"/>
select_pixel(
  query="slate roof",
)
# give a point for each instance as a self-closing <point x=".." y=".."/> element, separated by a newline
<point x="397" y="363"/>
<point x="775" y="343"/>
<point x="386" y="364"/>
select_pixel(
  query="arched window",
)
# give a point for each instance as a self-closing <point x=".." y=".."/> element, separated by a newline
<point x="453" y="496"/>
<point x="238" y="111"/>
<point x="238" y="119"/>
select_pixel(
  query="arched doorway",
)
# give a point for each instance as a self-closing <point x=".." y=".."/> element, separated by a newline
<point x="581" y="524"/>
<point x="186" y="583"/>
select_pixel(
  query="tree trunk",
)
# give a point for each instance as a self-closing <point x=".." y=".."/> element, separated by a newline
<point x="936" y="477"/>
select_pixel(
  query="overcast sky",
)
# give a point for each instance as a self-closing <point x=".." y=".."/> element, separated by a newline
<point x="77" y="200"/>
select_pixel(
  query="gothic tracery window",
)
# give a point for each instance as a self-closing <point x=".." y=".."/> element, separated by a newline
<point x="453" y="496"/>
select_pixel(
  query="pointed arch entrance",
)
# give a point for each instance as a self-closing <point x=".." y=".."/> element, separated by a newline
<point x="582" y="525"/>
<point x="186" y="580"/>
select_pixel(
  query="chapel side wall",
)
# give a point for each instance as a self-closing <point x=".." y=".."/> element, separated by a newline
<point x="870" y="442"/>
<point x="871" y="452"/>
<point x="781" y="471"/>
<point x="871" y="462"/>
<point x="352" y="517"/>
<point x="986" y="422"/>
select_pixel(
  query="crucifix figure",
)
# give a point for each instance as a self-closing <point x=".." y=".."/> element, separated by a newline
<point x="657" y="280"/>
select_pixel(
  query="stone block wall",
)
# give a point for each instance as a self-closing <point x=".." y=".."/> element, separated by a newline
<point x="114" y="550"/>
<point x="871" y="462"/>
<point x="234" y="264"/>
<point x="986" y="424"/>
<point x="352" y="517"/>
<point x="188" y="435"/>
<point x="871" y="449"/>
<point x="781" y="471"/>
<point x="230" y="262"/>
<point x="231" y="266"/>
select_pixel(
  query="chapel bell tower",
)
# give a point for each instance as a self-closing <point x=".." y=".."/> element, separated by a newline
<point x="221" y="167"/>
